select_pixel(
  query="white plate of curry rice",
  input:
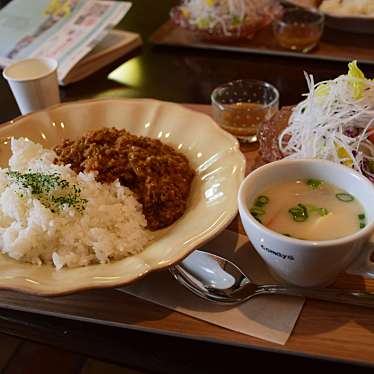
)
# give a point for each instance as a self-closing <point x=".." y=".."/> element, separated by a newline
<point x="99" y="193"/>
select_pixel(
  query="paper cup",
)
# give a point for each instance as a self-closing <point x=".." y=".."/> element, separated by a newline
<point x="33" y="83"/>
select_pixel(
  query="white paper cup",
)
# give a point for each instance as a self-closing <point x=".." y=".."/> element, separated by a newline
<point x="308" y="263"/>
<point x="34" y="83"/>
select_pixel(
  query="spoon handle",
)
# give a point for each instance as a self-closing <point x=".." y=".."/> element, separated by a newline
<point x="365" y="299"/>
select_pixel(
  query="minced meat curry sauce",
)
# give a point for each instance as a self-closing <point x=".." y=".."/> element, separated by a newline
<point x="159" y="176"/>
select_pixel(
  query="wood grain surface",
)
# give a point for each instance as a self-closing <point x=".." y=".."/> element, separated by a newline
<point x="335" y="45"/>
<point x="324" y="330"/>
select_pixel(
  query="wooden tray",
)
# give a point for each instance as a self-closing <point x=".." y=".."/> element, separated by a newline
<point x="335" y="45"/>
<point x="324" y="330"/>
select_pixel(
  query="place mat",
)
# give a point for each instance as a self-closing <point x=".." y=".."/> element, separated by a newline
<point x="334" y="45"/>
<point x="271" y="318"/>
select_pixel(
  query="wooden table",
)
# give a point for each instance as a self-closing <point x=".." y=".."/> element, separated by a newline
<point x="157" y="340"/>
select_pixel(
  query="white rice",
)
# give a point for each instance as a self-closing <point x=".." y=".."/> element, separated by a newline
<point x="110" y="227"/>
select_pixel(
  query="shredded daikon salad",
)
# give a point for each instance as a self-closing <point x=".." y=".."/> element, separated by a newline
<point x="335" y="122"/>
<point x="227" y="15"/>
<point x="205" y="14"/>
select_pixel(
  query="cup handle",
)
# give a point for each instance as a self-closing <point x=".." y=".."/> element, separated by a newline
<point x="364" y="264"/>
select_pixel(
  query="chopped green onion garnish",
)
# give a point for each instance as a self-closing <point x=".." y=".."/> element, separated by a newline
<point x="361" y="216"/>
<point x="362" y="225"/>
<point x="345" y="197"/>
<point x="299" y="213"/>
<point x="299" y="218"/>
<point x="255" y="211"/>
<point x="261" y="201"/>
<point x="257" y="218"/>
<point x="314" y="183"/>
<point x="321" y="211"/>
<point x="303" y="207"/>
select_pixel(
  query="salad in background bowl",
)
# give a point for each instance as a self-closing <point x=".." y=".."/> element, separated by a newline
<point x="224" y="20"/>
<point x="334" y="122"/>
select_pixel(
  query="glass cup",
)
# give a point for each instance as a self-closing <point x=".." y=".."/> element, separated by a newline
<point x="298" y="29"/>
<point x="241" y="106"/>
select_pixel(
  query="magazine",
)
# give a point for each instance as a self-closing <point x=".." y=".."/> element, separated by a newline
<point x="66" y="30"/>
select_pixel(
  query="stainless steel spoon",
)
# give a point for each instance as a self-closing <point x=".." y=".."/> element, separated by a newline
<point x="216" y="279"/>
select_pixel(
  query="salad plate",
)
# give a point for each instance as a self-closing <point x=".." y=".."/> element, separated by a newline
<point x="225" y="21"/>
<point x="334" y="122"/>
<point x="213" y="154"/>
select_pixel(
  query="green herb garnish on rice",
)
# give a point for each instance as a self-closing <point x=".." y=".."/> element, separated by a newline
<point x="51" y="190"/>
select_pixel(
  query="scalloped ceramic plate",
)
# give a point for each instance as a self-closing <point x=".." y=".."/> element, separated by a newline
<point x="213" y="153"/>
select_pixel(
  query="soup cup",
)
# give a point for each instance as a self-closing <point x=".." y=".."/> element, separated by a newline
<point x="308" y="263"/>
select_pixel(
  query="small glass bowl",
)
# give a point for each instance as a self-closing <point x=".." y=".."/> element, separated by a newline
<point x="298" y="29"/>
<point x="241" y="106"/>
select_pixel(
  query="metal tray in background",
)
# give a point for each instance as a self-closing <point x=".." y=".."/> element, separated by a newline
<point x="335" y="45"/>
